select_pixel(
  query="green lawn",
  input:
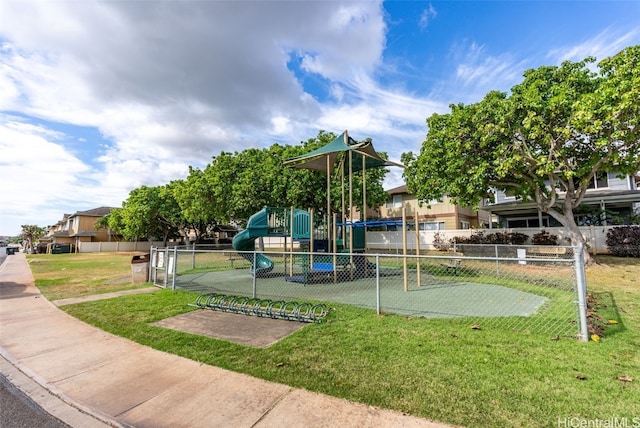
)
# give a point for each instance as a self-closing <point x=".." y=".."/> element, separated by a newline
<point x="433" y="368"/>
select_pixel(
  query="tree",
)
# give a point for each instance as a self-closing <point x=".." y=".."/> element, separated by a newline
<point x="197" y="203"/>
<point x="544" y="142"/>
<point x="149" y="212"/>
<point x="30" y="234"/>
<point x="241" y="183"/>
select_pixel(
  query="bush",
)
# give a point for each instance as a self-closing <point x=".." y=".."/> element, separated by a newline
<point x="624" y="241"/>
<point x="513" y="238"/>
<point x="439" y="242"/>
<point x="544" y="238"/>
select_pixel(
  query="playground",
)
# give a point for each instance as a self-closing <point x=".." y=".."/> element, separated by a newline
<point x="324" y="259"/>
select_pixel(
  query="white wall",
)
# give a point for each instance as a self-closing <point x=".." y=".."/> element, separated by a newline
<point x="595" y="237"/>
<point x="97" y="247"/>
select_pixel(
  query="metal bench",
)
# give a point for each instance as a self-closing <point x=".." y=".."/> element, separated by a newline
<point x="453" y="264"/>
<point x="546" y="252"/>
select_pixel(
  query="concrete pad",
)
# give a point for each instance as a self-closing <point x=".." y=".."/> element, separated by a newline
<point x="247" y="330"/>
<point x="94" y="297"/>
<point x="212" y="398"/>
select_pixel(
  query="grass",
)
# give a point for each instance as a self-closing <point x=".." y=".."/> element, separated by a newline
<point x="61" y="276"/>
<point x="437" y="369"/>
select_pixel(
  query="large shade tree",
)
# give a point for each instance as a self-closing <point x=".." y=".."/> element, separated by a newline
<point x="197" y="203"/>
<point x="148" y="213"/>
<point x="241" y="183"/>
<point x="233" y="187"/>
<point x="543" y="142"/>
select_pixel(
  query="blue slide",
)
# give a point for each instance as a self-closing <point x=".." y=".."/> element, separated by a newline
<point x="244" y="242"/>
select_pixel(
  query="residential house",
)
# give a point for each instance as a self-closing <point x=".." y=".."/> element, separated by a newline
<point x="609" y="200"/>
<point x="80" y="227"/>
<point x="431" y="215"/>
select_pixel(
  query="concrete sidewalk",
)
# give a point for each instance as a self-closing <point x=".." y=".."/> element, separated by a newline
<point x="89" y="378"/>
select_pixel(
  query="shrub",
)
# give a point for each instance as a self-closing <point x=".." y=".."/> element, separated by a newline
<point x="439" y="242"/>
<point x="517" y="238"/>
<point x="624" y="241"/>
<point x="544" y="238"/>
<point x="504" y="238"/>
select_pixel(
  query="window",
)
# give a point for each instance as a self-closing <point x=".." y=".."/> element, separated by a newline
<point x="517" y="223"/>
<point x="527" y="222"/>
<point x="599" y="181"/>
<point x="465" y="225"/>
<point x="432" y="225"/>
<point x="395" y="201"/>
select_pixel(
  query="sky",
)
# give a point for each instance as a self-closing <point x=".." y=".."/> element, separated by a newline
<point x="98" y="98"/>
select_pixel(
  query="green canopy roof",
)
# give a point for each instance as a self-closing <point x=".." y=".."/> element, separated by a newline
<point x="326" y="158"/>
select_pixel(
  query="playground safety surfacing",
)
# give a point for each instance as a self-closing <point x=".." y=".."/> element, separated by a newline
<point x="435" y="298"/>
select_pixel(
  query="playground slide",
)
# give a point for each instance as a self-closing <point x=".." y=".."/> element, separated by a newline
<point x="244" y="242"/>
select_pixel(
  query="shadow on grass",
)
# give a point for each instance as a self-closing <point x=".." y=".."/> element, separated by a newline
<point x="604" y="314"/>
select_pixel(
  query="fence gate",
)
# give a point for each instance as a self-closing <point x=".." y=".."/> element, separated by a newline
<point x="162" y="269"/>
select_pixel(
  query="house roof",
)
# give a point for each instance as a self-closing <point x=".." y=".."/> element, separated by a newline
<point x="96" y="212"/>
<point x="84" y="233"/>
<point x="398" y="190"/>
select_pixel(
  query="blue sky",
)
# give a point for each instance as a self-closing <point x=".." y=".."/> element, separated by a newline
<point x="99" y="98"/>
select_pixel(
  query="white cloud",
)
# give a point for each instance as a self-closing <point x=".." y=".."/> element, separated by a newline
<point x="481" y="70"/>
<point x="604" y="44"/>
<point x="171" y="84"/>
<point x="40" y="174"/>
<point x="427" y="16"/>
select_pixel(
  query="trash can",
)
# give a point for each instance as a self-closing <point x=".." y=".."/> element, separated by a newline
<point x="140" y="268"/>
<point x="11" y="251"/>
<point x="61" y="248"/>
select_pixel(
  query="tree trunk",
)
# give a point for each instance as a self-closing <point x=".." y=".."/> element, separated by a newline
<point x="573" y="232"/>
<point x="576" y="238"/>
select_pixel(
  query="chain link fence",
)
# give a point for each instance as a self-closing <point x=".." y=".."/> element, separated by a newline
<point x="524" y="289"/>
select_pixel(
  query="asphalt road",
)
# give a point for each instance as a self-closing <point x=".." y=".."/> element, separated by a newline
<point x="19" y="411"/>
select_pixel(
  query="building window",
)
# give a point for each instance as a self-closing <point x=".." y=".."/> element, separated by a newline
<point x="465" y="225"/>
<point x="432" y="225"/>
<point x="599" y="181"/>
<point x="513" y="223"/>
<point x="395" y="201"/>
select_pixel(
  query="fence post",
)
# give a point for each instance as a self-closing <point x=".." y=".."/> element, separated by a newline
<point x="193" y="256"/>
<point x="255" y="270"/>
<point x="151" y="257"/>
<point x="581" y="283"/>
<point x="404" y="248"/>
<point x="165" y="263"/>
<point x="378" y="284"/>
<point x="175" y="268"/>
